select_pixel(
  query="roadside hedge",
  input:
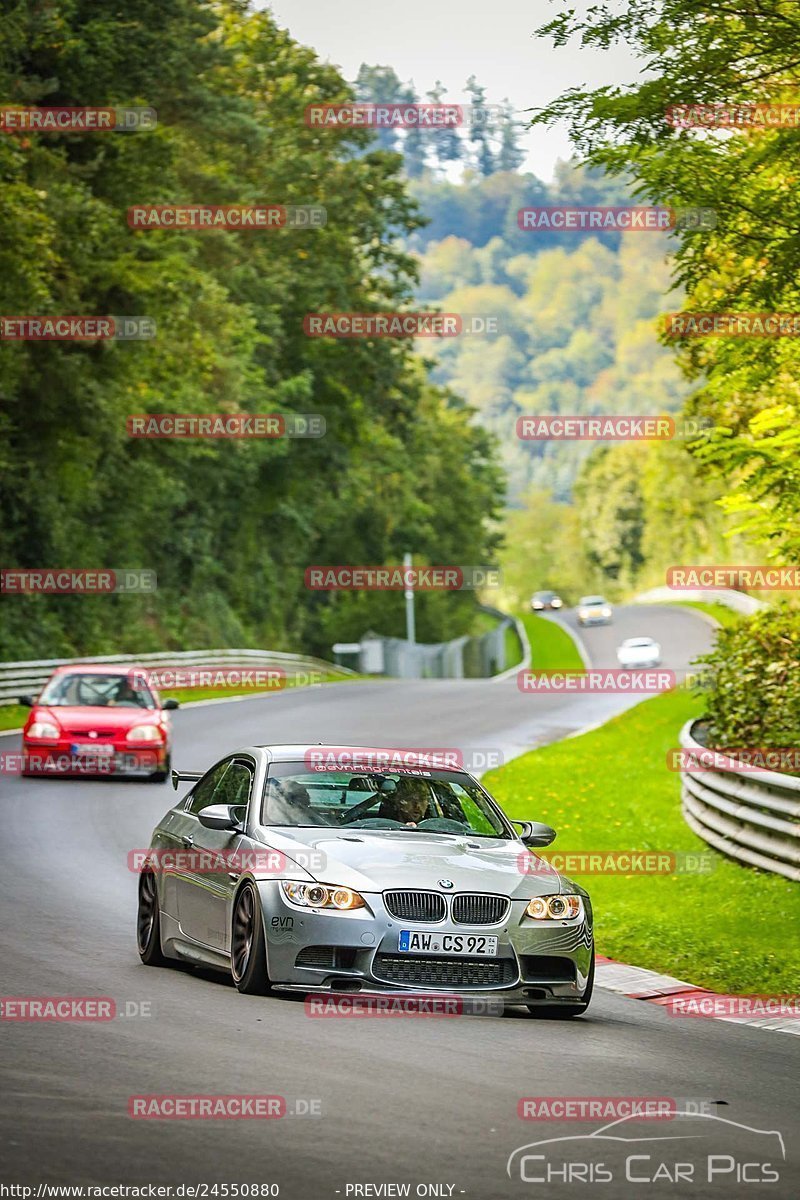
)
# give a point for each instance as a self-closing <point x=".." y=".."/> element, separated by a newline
<point x="752" y="683"/>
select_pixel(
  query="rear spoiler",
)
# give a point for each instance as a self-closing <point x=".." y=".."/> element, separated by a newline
<point x="185" y="777"/>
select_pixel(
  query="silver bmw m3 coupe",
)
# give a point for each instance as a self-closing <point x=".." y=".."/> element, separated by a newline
<point x="318" y="869"/>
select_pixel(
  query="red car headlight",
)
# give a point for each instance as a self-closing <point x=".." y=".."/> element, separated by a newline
<point x="144" y="733"/>
<point x="47" y="730"/>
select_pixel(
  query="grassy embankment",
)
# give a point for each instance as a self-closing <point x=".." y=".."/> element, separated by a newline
<point x="610" y="789"/>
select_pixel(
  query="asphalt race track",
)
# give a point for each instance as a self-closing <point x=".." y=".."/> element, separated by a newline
<point x="420" y="1101"/>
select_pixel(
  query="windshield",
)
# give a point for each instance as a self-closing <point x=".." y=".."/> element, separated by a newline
<point x="592" y="600"/>
<point x="432" y="801"/>
<point x="96" y="691"/>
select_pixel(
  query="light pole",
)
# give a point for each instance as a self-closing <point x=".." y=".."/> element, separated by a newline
<point x="409" y="594"/>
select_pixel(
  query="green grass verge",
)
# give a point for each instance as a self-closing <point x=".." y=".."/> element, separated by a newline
<point x="513" y="647"/>
<point x="720" y="612"/>
<point x="13" y="716"/>
<point x="730" y="930"/>
<point x="552" y="648"/>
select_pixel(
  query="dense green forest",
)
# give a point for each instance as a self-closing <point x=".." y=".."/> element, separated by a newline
<point x="421" y="443"/>
<point x="229" y="527"/>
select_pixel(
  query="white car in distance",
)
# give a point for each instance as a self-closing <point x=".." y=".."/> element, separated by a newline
<point x="639" y="652"/>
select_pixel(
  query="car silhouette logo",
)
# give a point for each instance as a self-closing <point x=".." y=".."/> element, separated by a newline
<point x="445" y="883"/>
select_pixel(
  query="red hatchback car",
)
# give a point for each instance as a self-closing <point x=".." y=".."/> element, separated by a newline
<point x="98" y="719"/>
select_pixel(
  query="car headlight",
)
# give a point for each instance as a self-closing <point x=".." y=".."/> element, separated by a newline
<point x="537" y="604"/>
<point x="556" y="603"/>
<point x="318" y="895"/>
<point x="606" y="612"/>
<point x="144" y="733"/>
<point x="555" y="908"/>
<point x="44" y="729"/>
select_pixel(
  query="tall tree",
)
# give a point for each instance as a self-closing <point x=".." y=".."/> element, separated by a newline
<point x="446" y="144"/>
<point x="480" y="128"/>
<point x="510" y="156"/>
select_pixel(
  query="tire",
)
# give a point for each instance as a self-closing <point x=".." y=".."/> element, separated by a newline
<point x="564" y="1012"/>
<point x="248" y="947"/>
<point x="161" y="776"/>
<point x="148" y="923"/>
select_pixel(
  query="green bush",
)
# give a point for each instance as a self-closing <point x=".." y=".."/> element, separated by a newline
<point x="752" y="687"/>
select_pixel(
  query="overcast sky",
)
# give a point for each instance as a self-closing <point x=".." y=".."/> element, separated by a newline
<point x="492" y="39"/>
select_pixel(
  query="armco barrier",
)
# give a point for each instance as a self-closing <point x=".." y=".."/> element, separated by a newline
<point x="752" y="816"/>
<point x="469" y="657"/>
<point x="27" y="678"/>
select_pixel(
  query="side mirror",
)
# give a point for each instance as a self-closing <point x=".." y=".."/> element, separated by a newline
<point x="220" y="816"/>
<point x="170" y="704"/>
<point x="534" y="833"/>
<point x="28" y="701"/>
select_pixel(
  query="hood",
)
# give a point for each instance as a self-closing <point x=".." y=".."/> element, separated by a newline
<point x="82" y="719"/>
<point x="369" y="861"/>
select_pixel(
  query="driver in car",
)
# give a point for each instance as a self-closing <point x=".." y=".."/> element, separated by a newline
<point x="408" y="803"/>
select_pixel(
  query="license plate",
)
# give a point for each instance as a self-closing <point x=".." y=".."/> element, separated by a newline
<point x="90" y="750"/>
<point x="421" y="941"/>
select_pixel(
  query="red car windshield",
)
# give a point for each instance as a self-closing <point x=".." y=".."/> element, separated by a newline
<point x="80" y="690"/>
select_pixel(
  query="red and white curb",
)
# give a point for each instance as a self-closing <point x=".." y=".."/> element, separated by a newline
<point x="640" y="984"/>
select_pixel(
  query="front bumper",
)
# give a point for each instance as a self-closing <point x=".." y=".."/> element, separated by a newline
<point x="358" y="951"/>
<point x="58" y="758"/>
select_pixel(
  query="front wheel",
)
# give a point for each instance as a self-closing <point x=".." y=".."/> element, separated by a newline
<point x="248" y="949"/>
<point x="161" y="776"/>
<point x="148" y="923"/>
<point x="563" y="1012"/>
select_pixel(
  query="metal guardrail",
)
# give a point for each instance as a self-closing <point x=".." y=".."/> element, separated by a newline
<point x="750" y="815"/>
<point x="478" y="656"/>
<point x="27" y="678"/>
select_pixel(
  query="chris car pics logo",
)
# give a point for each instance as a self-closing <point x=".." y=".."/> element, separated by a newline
<point x="695" y="1149"/>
